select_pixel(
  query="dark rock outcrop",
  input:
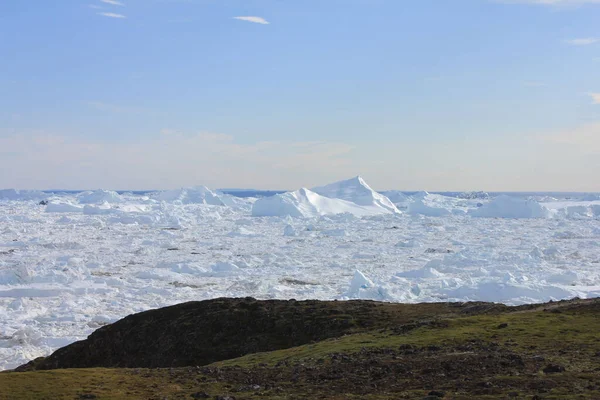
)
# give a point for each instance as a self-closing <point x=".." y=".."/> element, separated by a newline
<point x="199" y="333"/>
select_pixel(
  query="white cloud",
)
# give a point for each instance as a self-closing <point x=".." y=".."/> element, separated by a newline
<point x="167" y="160"/>
<point x="111" y="15"/>
<point x="95" y="7"/>
<point x="585" y="139"/>
<point x="113" y="2"/>
<point x="582" y="41"/>
<point x="256" y="20"/>
<point x="595" y="98"/>
<point x="564" y="160"/>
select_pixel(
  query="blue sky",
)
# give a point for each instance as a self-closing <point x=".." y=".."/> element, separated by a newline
<point x="428" y="94"/>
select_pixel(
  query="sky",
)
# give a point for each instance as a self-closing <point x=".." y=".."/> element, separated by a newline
<point x="279" y="94"/>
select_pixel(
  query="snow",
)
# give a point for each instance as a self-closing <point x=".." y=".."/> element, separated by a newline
<point x="68" y="267"/>
<point x="362" y="287"/>
<point x="289" y="231"/>
<point x="104" y="209"/>
<point x="224" y="269"/>
<point x="575" y="209"/>
<point x="63" y="207"/>
<point x="193" y="195"/>
<point x="305" y="203"/>
<point x="242" y="232"/>
<point x="99" y="197"/>
<point x="425" y="272"/>
<point x="356" y="191"/>
<point x="418" y="207"/>
<point x="437" y="205"/>
<point x="510" y="207"/>
<point x="353" y="197"/>
<point x="359" y="281"/>
<point x="396" y="197"/>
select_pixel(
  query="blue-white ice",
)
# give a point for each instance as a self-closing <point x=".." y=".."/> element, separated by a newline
<point x="87" y="259"/>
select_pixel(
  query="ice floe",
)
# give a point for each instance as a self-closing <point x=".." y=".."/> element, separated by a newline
<point x="87" y="259"/>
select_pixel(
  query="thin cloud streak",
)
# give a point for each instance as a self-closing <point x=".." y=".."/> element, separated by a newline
<point x="113" y="2"/>
<point x="256" y="20"/>
<point x="582" y="41"/>
<point x="112" y="15"/>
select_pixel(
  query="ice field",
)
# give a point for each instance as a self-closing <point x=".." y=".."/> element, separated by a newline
<point x="87" y="259"/>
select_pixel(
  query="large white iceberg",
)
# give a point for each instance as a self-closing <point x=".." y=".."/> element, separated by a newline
<point x="356" y="191"/>
<point x="353" y="196"/>
<point x="99" y="197"/>
<point x="192" y="195"/>
<point x="511" y="207"/>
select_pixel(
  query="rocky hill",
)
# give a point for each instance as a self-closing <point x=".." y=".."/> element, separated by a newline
<point x="249" y="349"/>
<point x="199" y="333"/>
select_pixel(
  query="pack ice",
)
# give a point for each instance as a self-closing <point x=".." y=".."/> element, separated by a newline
<point x="87" y="259"/>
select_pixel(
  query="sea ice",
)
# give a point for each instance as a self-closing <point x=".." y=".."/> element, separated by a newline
<point x="509" y="207"/>
<point x="88" y="259"/>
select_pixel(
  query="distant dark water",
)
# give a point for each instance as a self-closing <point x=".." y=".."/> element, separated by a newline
<point x="268" y="193"/>
<point x="233" y="192"/>
<point x="61" y="191"/>
<point x="252" y="193"/>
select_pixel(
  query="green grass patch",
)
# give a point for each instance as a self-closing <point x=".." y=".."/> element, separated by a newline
<point x="562" y="337"/>
<point x="489" y="356"/>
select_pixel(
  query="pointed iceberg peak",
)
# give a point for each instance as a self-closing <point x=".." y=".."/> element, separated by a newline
<point x="357" y="184"/>
<point x="345" y="197"/>
<point x="191" y="195"/>
<point x="356" y="181"/>
<point x="357" y="191"/>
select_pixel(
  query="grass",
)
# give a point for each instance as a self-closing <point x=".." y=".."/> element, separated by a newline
<point x="482" y="356"/>
<point x="567" y="337"/>
<point x="100" y="383"/>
